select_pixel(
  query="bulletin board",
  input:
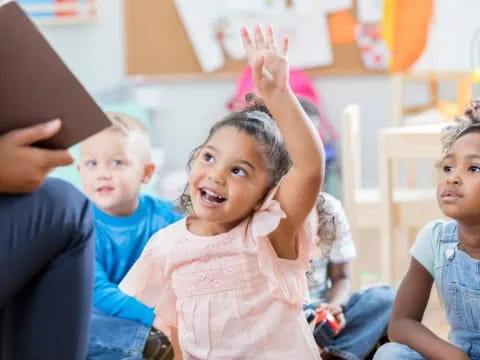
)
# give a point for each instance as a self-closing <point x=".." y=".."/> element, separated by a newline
<point x="157" y="45"/>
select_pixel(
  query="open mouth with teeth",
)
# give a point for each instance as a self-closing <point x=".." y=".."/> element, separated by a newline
<point x="211" y="197"/>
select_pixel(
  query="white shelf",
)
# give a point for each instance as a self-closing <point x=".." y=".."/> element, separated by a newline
<point x="85" y="13"/>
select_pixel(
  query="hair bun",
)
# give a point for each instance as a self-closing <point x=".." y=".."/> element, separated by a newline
<point x="472" y="112"/>
<point x="255" y="103"/>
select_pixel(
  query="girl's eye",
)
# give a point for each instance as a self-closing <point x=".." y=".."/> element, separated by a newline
<point x="239" y="172"/>
<point x="446" y="168"/>
<point x="91" y="163"/>
<point x="208" y="158"/>
<point x="117" y="162"/>
<point x="474" y="168"/>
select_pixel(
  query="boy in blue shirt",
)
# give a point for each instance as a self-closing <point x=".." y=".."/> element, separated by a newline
<point x="113" y="165"/>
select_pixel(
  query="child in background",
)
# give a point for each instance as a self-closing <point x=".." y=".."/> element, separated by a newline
<point x="363" y="316"/>
<point x="113" y="164"/>
<point x="446" y="253"/>
<point x="230" y="278"/>
<point x="331" y="168"/>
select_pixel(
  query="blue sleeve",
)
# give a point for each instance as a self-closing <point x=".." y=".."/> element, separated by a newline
<point x="168" y="210"/>
<point x="424" y="248"/>
<point x="109" y="299"/>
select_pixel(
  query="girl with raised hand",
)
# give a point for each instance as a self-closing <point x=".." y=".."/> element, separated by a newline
<point x="230" y="277"/>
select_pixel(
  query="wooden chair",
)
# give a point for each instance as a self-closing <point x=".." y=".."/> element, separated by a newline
<point x="413" y="207"/>
<point x="449" y="108"/>
<point x="360" y="204"/>
<point x="408" y="208"/>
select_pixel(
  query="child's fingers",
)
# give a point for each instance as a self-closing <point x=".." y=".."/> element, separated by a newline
<point x="285" y="46"/>
<point x="247" y="42"/>
<point x="259" y="38"/>
<point x="335" y="310"/>
<point x="257" y="73"/>
<point x="271" y="39"/>
<point x="341" y="321"/>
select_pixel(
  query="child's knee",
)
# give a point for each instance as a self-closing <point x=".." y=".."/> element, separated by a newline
<point x="394" y="351"/>
<point x="383" y="296"/>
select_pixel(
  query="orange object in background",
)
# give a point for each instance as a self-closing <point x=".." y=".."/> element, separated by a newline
<point x="341" y="25"/>
<point x="65" y="13"/>
<point x="405" y="28"/>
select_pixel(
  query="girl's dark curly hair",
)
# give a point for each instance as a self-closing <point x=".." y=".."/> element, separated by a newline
<point x="256" y="121"/>
<point x="327" y="229"/>
<point x="466" y="124"/>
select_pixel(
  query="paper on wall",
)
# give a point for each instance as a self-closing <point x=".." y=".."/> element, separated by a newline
<point x="330" y="6"/>
<point x="257" y="6"/>
<point x="373" y="50"/>
<point x="199" y="19"/>
<point x="369" y="11"/>
<point x="309" y="44"/>
<point x="454" y="38"/>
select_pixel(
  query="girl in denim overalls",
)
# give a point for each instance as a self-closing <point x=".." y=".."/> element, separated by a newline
<point x="447" y="253"/>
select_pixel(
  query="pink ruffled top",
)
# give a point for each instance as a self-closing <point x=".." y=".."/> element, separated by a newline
<point x="229" y="295"/>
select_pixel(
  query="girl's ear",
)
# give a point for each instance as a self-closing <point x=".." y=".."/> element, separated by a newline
<point x="258" y="205"/>
<point x="148" y="170"/>
<point x="194" y="157"/>
<point x="196" y="154"/>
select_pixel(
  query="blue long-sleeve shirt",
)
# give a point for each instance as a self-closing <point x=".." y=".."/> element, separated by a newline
<point x="119" y="243"/>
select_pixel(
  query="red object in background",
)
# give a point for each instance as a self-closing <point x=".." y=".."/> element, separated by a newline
<point x="65" y="13"/>
<point x="325" y="315"/>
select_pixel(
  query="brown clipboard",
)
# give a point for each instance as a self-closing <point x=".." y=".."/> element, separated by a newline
<point x="36" y="86"/>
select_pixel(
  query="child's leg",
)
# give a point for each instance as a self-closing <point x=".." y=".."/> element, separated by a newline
<point x="112" y="338"/>
<point x="395" y="351"/>
<point x="46" y="273"/>
<point x="367" y="315"/>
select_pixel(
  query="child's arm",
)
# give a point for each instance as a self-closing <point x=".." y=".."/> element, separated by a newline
<point x="177" y="350"/>
<point x="339" y="275"/>
<point x="405" y="323"/>
<point x="299" y="189"/>
<point x="339" y="293"/>
<point x="108" y="298"/>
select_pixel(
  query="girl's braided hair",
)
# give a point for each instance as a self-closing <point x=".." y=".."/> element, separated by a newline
<point x="255" y="120"/>
<point x="463" y="125"/>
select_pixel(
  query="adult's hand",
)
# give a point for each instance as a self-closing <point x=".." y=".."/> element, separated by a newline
<point x="23" y="167"/>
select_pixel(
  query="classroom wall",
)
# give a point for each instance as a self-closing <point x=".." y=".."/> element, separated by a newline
<point x="94" y="52"/>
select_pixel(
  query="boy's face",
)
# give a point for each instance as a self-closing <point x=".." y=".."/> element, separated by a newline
<point x="113" y="167"/>
<point x="458" y="191"/>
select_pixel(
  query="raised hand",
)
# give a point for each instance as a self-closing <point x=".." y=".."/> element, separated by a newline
<point x="269" y="64"/>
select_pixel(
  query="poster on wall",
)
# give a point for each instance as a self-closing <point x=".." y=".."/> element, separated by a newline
<point x="213" y="27"/>
<point x="454" y="38"/>
<point x="60" y="11"/>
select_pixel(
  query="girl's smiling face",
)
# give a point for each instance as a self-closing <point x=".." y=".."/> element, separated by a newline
<point x="228" y="178"/>
<point x="458" y="191"/>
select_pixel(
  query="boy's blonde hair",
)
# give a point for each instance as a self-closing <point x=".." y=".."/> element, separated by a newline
<point x="129" y="125"/>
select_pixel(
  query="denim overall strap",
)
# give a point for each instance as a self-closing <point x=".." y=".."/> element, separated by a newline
<point x="449" y="234"/>
<point x="460" y="287"/>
